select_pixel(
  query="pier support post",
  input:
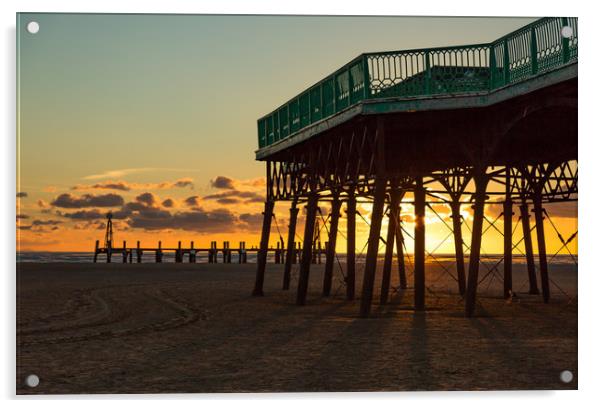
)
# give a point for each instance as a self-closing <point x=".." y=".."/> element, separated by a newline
<point x="459" y="245"/>
<point x="332" y="243"/>
<point x="508" y="242"/>
<point x="419" y="244"/>
<point x="541" y="247"/>
<point x="290" y="246"/>
<point x="373" y="244"/>
<point x="524" y="215"/>
<point x="481" y="181"/>
<point x="179" y="252"/>
<point x="351" y="211"/>
<point x="306" y="256"/>
<point x="124" y="253"/>
<point x="262" y="255"/>
<point x="391" y="229"/>
<point x="401" y="268"/>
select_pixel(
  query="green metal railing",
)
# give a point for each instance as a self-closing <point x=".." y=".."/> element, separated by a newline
<point x="526" y="52"/>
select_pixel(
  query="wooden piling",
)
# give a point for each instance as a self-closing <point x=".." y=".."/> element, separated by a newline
<point x="262" y="255"/>
<point x="508" y="241"/>
<point x="138" y="252"/>
<point x="96" y="251"/>
<point x="541" y="247"/>
<point x="350" y="279"/>
<point x="524" y="215"/>
<point x="475" y="243"/>
<point x="401" y="268"/>
<point x="390" y="241"/>
<point x="159" y="254"/>
<point x="290" y="248"/>
<point x="306" y="256"/>
<point x="332" y="242"/>
<point x="419" y="244"/>
<point x="124" y="253"/>
<point x="373" y="244"/>
<point x="458" y="244"/>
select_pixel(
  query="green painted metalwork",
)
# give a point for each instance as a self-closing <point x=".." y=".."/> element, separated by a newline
<point x="467" y="69"/>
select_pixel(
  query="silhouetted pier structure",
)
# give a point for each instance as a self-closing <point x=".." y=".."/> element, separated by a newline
<point x="462" y="126"/>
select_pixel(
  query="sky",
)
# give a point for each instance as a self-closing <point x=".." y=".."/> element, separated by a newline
<point x="154" y="117"/>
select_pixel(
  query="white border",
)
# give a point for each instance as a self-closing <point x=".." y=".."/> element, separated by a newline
<point x="590" y="282"/>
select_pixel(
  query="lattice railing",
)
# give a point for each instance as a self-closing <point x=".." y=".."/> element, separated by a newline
<point x="541" y="46"/>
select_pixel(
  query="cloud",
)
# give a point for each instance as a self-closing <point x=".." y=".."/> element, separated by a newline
<point x="46" y="222"/>
<point x="147" y="198"/>
<point x="248" y="196"/>
<point x="42" y="204"/>
<point x="193" y="201"/>
<point x="228" y="201"/>
<point x="124" y="172"/>
<point x="126" y="186"/>
<point x="109" y="185"/>
<point x="222" y="182"/>
<point x="21" y="194"/>
<point x="566" y="209"/>
<point x="87" y="200"/>
<point x="41" y="226"/>
<point x="22" y="216"/>
<point x="196" y="220"/>
<point x="169" y="203"/>
<point x="252" y="221"/>
<point x="84" y="215"/>
<point x="184" y="182"/>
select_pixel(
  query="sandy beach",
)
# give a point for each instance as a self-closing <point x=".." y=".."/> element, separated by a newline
<point x="157" y="328"/>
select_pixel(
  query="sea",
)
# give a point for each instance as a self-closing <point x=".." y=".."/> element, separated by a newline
<point x="149" y="257"/>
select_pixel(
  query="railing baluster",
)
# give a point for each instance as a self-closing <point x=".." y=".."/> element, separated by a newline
<point x="533" y="51"/>
<point x="427" y="72"/>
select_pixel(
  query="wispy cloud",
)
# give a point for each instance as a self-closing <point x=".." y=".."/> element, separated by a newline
<point x="111" y="174"/>
<point x="125" y="186"/>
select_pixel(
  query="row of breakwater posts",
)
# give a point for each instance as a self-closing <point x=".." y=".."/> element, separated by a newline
<point x="193" y="254"/>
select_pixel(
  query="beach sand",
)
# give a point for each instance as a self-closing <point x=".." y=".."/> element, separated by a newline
<point x="157" y="328"/>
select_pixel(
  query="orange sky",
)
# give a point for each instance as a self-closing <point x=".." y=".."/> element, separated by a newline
<point x="154" y="118"/>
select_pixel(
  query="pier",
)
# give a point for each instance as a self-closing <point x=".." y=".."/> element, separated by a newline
<point x="461" y="127"/>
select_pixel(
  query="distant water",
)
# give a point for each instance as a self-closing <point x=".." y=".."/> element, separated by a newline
<point x="87" y="257"/>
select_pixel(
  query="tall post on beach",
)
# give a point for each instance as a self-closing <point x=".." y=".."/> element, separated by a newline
<point x="528" y="242"/>
<point x="335" y="213"/>
<point x="458" y="243"/>
<point x="508" y="238"/>
<point x="480" y="180"/>
<point x="277" y="253"/>
<point x="262" y="254"/>
<point x="138" y="252"/>
<point x="390" y="242"/>
<point x="124" y="253"/>
<point x="419" y="244"/>
<point x="541" y="246"/>
<point x="401" y="267"/>
<point x="179" y="252"/>
<point x="350" y="279"/>
<point x="306" y="256"/>
<point x="159" y="254"/>
<point x="96" y="251"/>
<point x="192" y="253"/>
<point x="290" y="248"/>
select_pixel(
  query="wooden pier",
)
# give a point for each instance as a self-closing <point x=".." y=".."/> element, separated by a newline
<point x="192" y="254"/>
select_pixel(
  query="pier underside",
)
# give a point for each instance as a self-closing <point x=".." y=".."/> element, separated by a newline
<point x="520" y="152"/>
